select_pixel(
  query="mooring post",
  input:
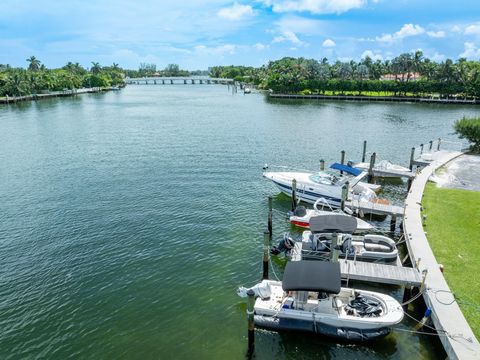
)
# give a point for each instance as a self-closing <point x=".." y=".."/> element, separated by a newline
<point x="430" y="143"/>
<point x="266" y="256"/>
<point x="371" y="177"/>
<point x="421" y="149"/>
<point x="342" y="160"/>
<point x="407" y="295"/>
<point x="270" y="216"/>
<point x="364" y="153"/>
<point x="438" y="145"/>
<point x="412" y="157"/>
<point x="344" y="195"/>
<point x="333" y="250"/>
<point x="294" y="194"/>
<point x="393" y="223"/>
<point x="251" y="322"/>
<point x="322" y="165"/>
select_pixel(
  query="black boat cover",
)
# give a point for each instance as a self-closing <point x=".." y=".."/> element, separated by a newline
<point x="333" y="223"/>
<point x="312" y="276"/>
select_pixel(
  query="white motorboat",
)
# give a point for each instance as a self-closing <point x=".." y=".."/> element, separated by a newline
<point x="383" y="169"/>
<point x="317" y="242"/>
<point x="301" y="216"/>
<point x="247" y="90"/>
<point x="312" y="186"/>
<point x="310" y="298"/>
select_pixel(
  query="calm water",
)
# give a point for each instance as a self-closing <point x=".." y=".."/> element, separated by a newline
<point x="128" y="219"/>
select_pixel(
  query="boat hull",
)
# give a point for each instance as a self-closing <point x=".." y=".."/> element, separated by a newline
<point x="349" y="334"/>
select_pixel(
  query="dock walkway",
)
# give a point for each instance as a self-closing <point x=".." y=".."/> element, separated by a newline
<point x="460" y="342"/>
<point x="368" y="207"/>
<point x="371" y="272"/>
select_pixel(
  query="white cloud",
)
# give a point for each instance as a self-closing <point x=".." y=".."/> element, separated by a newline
<point x="473" y="29"/>
<point x="471" y="51"/>
<point x="406" y="31"/>
<point x="329" y="43"/>
<point x="235" y="12"/>
<point x="437" y="57"/>
<point x="456" y="29"/>
<point x="288" y="36"/>
<point x="371" y="55"/>
<point x="314" y="6"/>
<point x="301" y="25"/>
<point x="259" y="46"/>
<point x="436" y="34"/>
<point x="216" y="50"/>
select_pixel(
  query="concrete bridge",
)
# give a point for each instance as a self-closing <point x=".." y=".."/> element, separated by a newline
<point x="171" y="80"/>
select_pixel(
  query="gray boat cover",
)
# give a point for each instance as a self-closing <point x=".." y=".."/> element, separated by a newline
<point x="345" y="224"/>
<point x="312" y="276"/>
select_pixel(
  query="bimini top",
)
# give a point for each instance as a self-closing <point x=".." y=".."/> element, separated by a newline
<point x="312" y="276"/>
<point x="333" y="223"/>
<point x="346" y="168"/>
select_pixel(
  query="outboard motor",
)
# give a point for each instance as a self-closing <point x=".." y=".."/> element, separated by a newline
<point x="300" y="211"/>
<point x="284" y="245"/>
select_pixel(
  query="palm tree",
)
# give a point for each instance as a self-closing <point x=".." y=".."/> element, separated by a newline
<point x="95" y="68"/>
<point x="34" y="63"/>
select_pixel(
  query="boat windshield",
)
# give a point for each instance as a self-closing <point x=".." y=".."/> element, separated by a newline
<point x="324" y="178"/>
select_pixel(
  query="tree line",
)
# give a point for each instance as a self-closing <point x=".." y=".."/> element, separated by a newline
<point x="36" y="78"/>
<point x="412" y="74"/>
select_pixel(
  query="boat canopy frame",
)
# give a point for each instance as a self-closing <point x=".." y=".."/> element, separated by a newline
<point x="333" y="223"/>
<point x="348" y="169"/>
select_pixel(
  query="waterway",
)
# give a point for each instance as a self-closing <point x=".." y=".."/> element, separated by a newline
<point x="128" y="219"/>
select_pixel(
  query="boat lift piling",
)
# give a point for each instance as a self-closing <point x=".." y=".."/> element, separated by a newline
<point x="294" y="194"/>
<point x="371" y="177"/>
<point x="393" y="222"/>
<point x="251" y="322"/>
<point x="430" y="145"/>
<point x="266" y="254"/>
<point x="344" y="195"/>
<point x="421" y="149"/>
<point x="438" y="145"/>
<point x="270" y="217"/>
<point x="322" y="165"/>
<point x="342" y="160"/>
<point x="334" y="251"/>
<point x="412" y="158"/>
<point x="364" y="150"/>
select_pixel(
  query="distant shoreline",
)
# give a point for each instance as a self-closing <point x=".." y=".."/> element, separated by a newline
<point x="69" y="92"/>
<point x="375" y="98"/>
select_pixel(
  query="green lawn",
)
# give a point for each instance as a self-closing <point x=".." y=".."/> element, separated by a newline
<point x="453" y="231"/>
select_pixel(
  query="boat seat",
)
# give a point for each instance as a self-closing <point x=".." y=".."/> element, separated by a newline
<point x="377" y="247"/>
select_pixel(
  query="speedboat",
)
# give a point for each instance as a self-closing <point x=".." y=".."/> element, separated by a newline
<point x="301" y="216"/>
<point x="310" y="298"/>
<point x="312" y="186"/>
<point x="383" y="168"/>
<point x="317" y="242"/>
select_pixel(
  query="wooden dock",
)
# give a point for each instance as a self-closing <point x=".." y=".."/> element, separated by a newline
<point x="368" y="207"/>
<point x="371" y="272"/>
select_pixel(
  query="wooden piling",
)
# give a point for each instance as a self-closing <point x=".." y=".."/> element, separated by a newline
<point x="344" y="195"/>
<point x="294" y="194"/>
<point x="412" y="158"/>
<point x="393" y="223"/>
<point x="364" y="153"/>
<point x="270" y="217"/>
<point x="322" y="165"/>
<point x="430" y="145"/>
<point x="371" y="177"/>
<point x="266" y="256"/>
<point x="251" y="322"/>
<point x="421" y="149"/>
<point x="342" y="160"/>
<point x="333" y="250"/>
<point x="438" y="145"/>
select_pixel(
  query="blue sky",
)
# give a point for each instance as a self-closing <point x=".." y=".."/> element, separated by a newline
<point x="197" y="34"/>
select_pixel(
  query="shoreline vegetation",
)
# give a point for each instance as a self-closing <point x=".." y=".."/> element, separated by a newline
<point x="449" y="211"/>
<point x="407" y="77"/>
